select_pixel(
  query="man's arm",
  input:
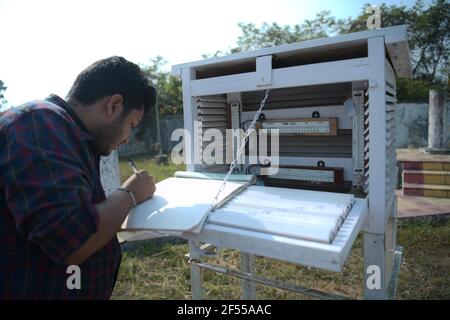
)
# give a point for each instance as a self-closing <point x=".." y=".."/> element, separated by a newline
<point x="47" y="190"/>
<point x="112" y="212"/>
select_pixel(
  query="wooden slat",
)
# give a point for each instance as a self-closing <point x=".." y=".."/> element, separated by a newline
<point x="391" y="91"/>
<point x="313" y="74"/>
<point x="390" y="107"/>
<point x="390" y="115"/>
<point x="295" y="104"/>
<point x="211" y="111"/>
<point x="391" y="99"/>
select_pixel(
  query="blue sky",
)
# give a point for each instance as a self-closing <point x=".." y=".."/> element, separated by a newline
<point x="46" y="43"/>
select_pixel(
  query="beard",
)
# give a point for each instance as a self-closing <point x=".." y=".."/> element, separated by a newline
<point x="106" y="137"/>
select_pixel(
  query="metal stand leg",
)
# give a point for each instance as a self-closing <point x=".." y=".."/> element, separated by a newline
<point x="248" y="266"/>
<point x="374" y="267"/>
<point x="392" y="286"/>
<point x="196" y="272"/>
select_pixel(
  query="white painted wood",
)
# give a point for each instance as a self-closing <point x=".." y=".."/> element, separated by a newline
<point x="391" y="91"/>
<point x="389" y="72"/>
<point x="189" y="115"/>
<point x="390" y="99"/>
<point x="214" y="176"/>
<point x="236" y="136"/>
<point x="210" y="125"/>
<point x="310" y="253"/>
<point x="377" y="138"/>
<point x="396" y="35"/>
<point x="264" y="71"/>
<point x="391" y="209"/>
<point x="393" y="35"/>
<point x="319" y="198"/>
<point x="358" y="138"/>
<point x="302" y="227"/>
<point x="312" y="74"/>
<point x="179" y="204"/>
<point x="294" y="210"/>
<point x="131" y="236"/>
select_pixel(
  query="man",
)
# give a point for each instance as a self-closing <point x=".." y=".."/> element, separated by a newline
<point x="53" y="210"/>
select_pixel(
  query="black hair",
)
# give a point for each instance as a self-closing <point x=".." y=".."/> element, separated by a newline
<point x="114" y="75"/>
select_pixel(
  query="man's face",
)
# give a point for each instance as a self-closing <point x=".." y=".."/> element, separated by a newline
<point x="109" y="137"/>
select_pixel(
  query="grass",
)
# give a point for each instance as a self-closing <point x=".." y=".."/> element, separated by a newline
<point x="158" y="269"/>
<point x="158" y="172"/>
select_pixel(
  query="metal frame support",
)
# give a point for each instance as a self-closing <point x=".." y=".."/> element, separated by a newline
<point x="374" y="266"/>
<point x="393" y="283"/>
<point x="248" y="266"/>
<point x="196" y="272"/>
<point x="272" y="283"/>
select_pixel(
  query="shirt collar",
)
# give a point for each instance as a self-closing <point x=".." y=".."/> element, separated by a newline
<point x="53" y="98"/>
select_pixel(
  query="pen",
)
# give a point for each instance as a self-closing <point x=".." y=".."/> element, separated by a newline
<point x="132" y="165"/>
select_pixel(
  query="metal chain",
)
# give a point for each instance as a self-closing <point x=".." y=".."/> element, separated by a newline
<point x="241" y="148"/>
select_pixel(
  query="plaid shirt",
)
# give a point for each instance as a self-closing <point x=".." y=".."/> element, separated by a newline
<point x="49" y="183"/>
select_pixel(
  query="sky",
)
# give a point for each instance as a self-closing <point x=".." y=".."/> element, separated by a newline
<point x="44" y="44"/>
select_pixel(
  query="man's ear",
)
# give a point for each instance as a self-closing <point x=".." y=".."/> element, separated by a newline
<point x="114" y="106"/>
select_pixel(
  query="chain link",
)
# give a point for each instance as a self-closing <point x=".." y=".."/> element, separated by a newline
<point x="241" y="148"/>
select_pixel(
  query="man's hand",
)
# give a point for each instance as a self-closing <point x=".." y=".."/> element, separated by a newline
<point x="112" y="213"/>
<point x="141" y="185"/>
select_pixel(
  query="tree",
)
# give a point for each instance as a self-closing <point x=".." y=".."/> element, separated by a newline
<point x="268" y="35"/>
<point x="169" y="100"/>
<point x="428" y="34"/>
<point x="323" y="25"/>
<point x="429" y="44"/>
<point x="168" y="87"/>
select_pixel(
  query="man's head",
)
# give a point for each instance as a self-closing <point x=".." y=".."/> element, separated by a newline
<point x="111" y="96"/>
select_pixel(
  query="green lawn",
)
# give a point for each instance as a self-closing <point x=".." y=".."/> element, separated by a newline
<point x="158" y="172"/>
<point x="158" y="269"/>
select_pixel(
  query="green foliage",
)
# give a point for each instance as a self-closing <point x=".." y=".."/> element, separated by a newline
<point x="169" y="99"/>
<point x="428" y="34"/>
<point x="168" y="87"/>
<point x="268" y="35"/>
<point x="414" y="89"/>
<point x="390" y="16"/>
<point x="429" y="39"/>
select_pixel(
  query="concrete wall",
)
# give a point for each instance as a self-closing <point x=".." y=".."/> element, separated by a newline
<point x="412" y="124"/>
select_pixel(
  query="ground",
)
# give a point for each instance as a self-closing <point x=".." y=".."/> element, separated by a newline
<point x="158" y="269"/>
